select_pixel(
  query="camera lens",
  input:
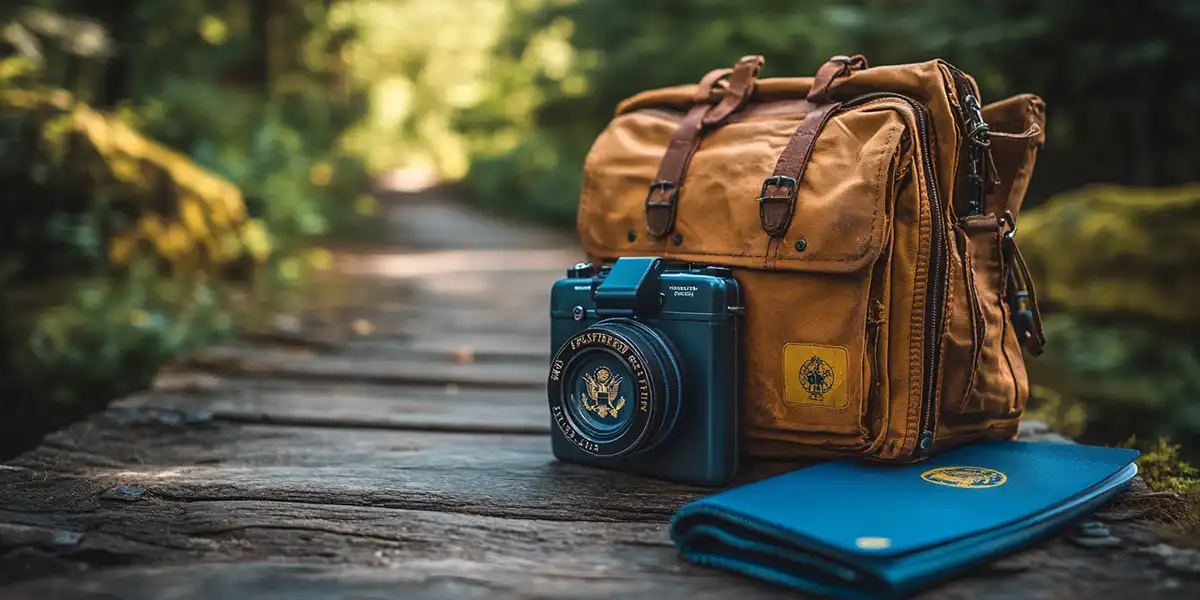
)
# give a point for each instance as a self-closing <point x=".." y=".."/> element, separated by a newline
<point x="614" y="388"/>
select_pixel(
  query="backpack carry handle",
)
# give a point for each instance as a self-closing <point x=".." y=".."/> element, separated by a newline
<point x="777" y="200"/>
<point x="663" y="195"/>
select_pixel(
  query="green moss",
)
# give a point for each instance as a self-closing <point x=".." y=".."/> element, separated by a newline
<point x="1114" y="250"/>
<point x="1164" y="470"/>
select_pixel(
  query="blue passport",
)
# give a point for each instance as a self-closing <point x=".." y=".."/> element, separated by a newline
<point x="854" y="530"/>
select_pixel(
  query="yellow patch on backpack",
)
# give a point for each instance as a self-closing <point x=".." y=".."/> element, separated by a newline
<point x="815" y="374"/>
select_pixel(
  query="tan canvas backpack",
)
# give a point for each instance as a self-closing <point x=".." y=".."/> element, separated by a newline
<point x="868" y="214"/>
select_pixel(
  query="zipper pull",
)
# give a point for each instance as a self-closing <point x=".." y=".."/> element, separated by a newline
<point x="925" y="443"/>
<point x="1021" y="296"/>
<point x="980" y="162"/>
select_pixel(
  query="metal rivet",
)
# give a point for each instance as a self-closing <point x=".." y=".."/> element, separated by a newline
<point x="801" y="244"/>
<point x="678" y="239"/>
<point x="631" y="236"/>
<point x="578" y="313"/>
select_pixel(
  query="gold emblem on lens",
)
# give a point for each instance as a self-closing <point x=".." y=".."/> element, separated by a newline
<point x="602" y="391"/>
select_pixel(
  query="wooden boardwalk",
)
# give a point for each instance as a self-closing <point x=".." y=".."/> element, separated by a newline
<point x="396" y="446"/>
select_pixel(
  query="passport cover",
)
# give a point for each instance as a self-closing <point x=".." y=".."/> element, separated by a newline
<point x="855" y="530"/>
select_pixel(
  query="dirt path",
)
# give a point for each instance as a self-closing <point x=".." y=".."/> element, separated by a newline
<point x="396" y="446"/>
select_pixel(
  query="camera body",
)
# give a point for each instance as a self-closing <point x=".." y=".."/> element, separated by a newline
<point x="644" y="372"/>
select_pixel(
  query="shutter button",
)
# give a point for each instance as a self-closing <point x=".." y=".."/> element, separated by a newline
<point x="581" y="271"/>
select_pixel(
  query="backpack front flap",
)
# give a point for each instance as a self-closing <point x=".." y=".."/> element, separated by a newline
<point x="829" y="197"/>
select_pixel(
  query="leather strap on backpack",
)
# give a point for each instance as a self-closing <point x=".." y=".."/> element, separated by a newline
<point x="833" y="69"/>
<point x="777" y="200"/>
<point x="662" y="198"/>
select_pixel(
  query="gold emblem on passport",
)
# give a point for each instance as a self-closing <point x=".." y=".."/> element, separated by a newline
<point x="815" y="374"/>
<point x="602" y="393"/>
<point x="965" y="477"/>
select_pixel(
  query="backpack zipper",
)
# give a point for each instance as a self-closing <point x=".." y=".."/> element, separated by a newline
<point x="937" y="270"/>
<point x="975" y="133"/>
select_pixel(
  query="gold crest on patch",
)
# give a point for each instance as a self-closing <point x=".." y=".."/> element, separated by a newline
<point x="602" y="393"/>
<point x="965" y="477"/>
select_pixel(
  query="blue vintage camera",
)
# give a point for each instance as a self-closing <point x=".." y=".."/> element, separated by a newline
<point x="644" y="372"/>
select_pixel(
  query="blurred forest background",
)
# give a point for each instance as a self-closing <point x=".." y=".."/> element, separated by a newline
<point x="167" y="166"/>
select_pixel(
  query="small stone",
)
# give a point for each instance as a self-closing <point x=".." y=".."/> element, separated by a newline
<point x="197" y="417"/>
<point x="1093" y="529"/>
<point x="124" y="493"/>
<point x="1161" y="550"/>
<point x="1032" y="427"/>
<point x="65" y="538"/>
<point x="1177" y="559"/>
<point x="168" y="418"/>
<point x="1106" y="541"/>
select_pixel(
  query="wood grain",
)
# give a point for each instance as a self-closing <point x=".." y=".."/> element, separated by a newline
<point x="500" y="475"/>
<point x="324" y="367"/>
<point x="353" y="551"/>
<point x="488" y="552"/>
<point x="290" y="402"/>
<point x="397" y="515"/>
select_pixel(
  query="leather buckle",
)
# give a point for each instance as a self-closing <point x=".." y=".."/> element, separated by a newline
<point x="1011" y="222"/>
<point x="779" y="181"/>
<point x="667" y="187"/>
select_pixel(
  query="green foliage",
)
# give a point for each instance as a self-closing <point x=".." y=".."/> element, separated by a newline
<point x="1117" y="285"/>
<point x="1108" y="249"/>
<point x="1114" y="78"/>
<point x="136" y="131"/>
<point x="128" y="326"/>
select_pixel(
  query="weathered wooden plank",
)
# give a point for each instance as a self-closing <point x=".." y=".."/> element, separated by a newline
<point x="514" y="557"/>
<point x="189" y="457"/>
<point x="177" y="455"/>
<point x="428" y="408"/>
<point x="416" y="332"/>
<point x="460" y="579"/>
<point x="450" y="349"/>
<point x="313" y="366"/>
<point x="526" y="556"/>
<point x="382" y="553"/>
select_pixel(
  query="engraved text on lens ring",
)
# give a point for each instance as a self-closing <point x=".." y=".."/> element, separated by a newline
<point x="641" y="381"/>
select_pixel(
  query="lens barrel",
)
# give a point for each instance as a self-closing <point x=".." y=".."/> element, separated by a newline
<point x="614" y="388"/>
